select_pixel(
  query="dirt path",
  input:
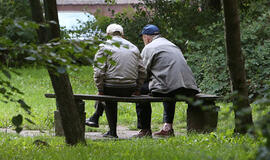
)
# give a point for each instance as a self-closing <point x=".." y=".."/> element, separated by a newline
<point x="122" y="131"/>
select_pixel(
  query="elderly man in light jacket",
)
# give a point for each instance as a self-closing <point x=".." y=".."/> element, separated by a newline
<point x="121" y="74"/>
<point x="168" y="75"/>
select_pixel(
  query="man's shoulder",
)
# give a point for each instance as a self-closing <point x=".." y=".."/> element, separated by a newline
<point x="155" y="44"/>
<point x="127" y="44"/>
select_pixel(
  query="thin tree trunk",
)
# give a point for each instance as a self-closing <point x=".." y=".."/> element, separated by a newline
<point x="37" y="16"/>
<point x="64" y="95"/>
<point x="236" y="64"/>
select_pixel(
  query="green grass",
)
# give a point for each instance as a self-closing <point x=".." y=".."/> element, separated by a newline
<point x="35" y="82"/>
<point x="193" y="147"/>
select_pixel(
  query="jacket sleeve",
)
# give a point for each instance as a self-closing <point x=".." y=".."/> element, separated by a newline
<point x="100" y="65"/>
<point x="141" y="73"/>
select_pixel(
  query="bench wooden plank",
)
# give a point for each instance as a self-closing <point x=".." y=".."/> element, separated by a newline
<point x="141" y="98"/>
<point x="201" y="118"/>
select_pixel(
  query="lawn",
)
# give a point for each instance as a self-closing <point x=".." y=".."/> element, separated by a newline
<point x="35" y="82"/>
<point x="192" y="147"/>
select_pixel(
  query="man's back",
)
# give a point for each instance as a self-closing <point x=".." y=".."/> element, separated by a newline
<point x="122" y="64"/>
<point x="168" y="67"/>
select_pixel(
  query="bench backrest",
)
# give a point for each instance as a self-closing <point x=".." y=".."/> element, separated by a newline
<point x="142" y="98"/>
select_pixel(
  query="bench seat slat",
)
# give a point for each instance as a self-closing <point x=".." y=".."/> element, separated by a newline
<point x="142" y="98"/>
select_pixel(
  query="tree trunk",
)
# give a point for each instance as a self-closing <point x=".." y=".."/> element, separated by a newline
<point x="73" y="131"/>
<point x="37" y="16"/>
<point x="236" y="64"/>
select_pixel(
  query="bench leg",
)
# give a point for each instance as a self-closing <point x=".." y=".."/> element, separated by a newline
<point x="58" y="128"/>
<point x="59" y="131"/>
<point x="81" y="108"/>
<point x="203" y="118"/>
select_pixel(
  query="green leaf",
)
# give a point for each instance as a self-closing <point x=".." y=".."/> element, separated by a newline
<point x="102" y="59"/>
<point x="3" y="90"/>
<point x="25" y="106"/>
<point x="17" y="120"/>
<point x="30" y="121"/>
<point x="61" y="70"/>
<point x="18" y="129"/>
<point x="53" y="22"/>
<point x="117" y="44"/>
<point x="108" y="52"/>
<point x="30" y="58"/>
<point x="112" y="62"/>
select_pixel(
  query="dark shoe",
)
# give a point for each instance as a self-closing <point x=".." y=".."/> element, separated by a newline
<point x="110" y="135"/>
<point x="162" y="133"/>
<point x="143" y="133"/>
<point x="92" y="121"/>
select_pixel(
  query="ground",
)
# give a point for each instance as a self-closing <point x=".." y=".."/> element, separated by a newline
<point x="122" y="131"/>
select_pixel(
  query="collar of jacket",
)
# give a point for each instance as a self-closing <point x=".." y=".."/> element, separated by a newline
<point x="156" y="37"/>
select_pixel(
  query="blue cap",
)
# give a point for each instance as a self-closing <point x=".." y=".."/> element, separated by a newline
<point x="150" y="29"/>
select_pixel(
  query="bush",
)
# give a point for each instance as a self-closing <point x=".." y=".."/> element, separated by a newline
<point x="263" y="124"/>
<point x="208" y="59"/>
<point x="16" y="28"/>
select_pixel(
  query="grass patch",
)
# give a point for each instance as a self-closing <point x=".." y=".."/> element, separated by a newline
<point x="191" y="147"/>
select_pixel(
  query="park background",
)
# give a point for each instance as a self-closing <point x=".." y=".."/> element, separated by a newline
<point x="198" y="29"/>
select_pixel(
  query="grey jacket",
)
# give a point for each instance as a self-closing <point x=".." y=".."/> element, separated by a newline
<point x="118" y="66"/>
<point x="166" y="67"/>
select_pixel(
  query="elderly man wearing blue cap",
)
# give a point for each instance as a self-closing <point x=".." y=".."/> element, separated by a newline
<point x="168" y="75"/>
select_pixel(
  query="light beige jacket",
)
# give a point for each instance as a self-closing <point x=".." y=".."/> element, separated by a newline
<point x="118" y="66"/>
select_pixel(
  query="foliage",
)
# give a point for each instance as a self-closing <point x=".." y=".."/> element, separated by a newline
<point x="252" y="7"/>
<point x="264" y="122"/>
<point x="15" y="26"/>
<point x="212" y="67"/>
<point x="172" y="17"/>
<point x="208" y="60"/>
<point x="256" y="48"/>
<point x="15" y="9"/>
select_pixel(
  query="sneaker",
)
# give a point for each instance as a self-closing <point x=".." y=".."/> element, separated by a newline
<point x="109" y="135"/>
<point x="143" y="133"/>
<point x="92" y="121"/>
<point x="162" y="133"/>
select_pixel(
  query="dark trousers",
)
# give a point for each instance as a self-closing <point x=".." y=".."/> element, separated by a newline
<point x="111" y="107"/>
<point x="99" y="106"/>
<point x="144" y="109"/>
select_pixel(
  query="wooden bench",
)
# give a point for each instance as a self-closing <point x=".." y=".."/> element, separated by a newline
<point x="202" y="117"/>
